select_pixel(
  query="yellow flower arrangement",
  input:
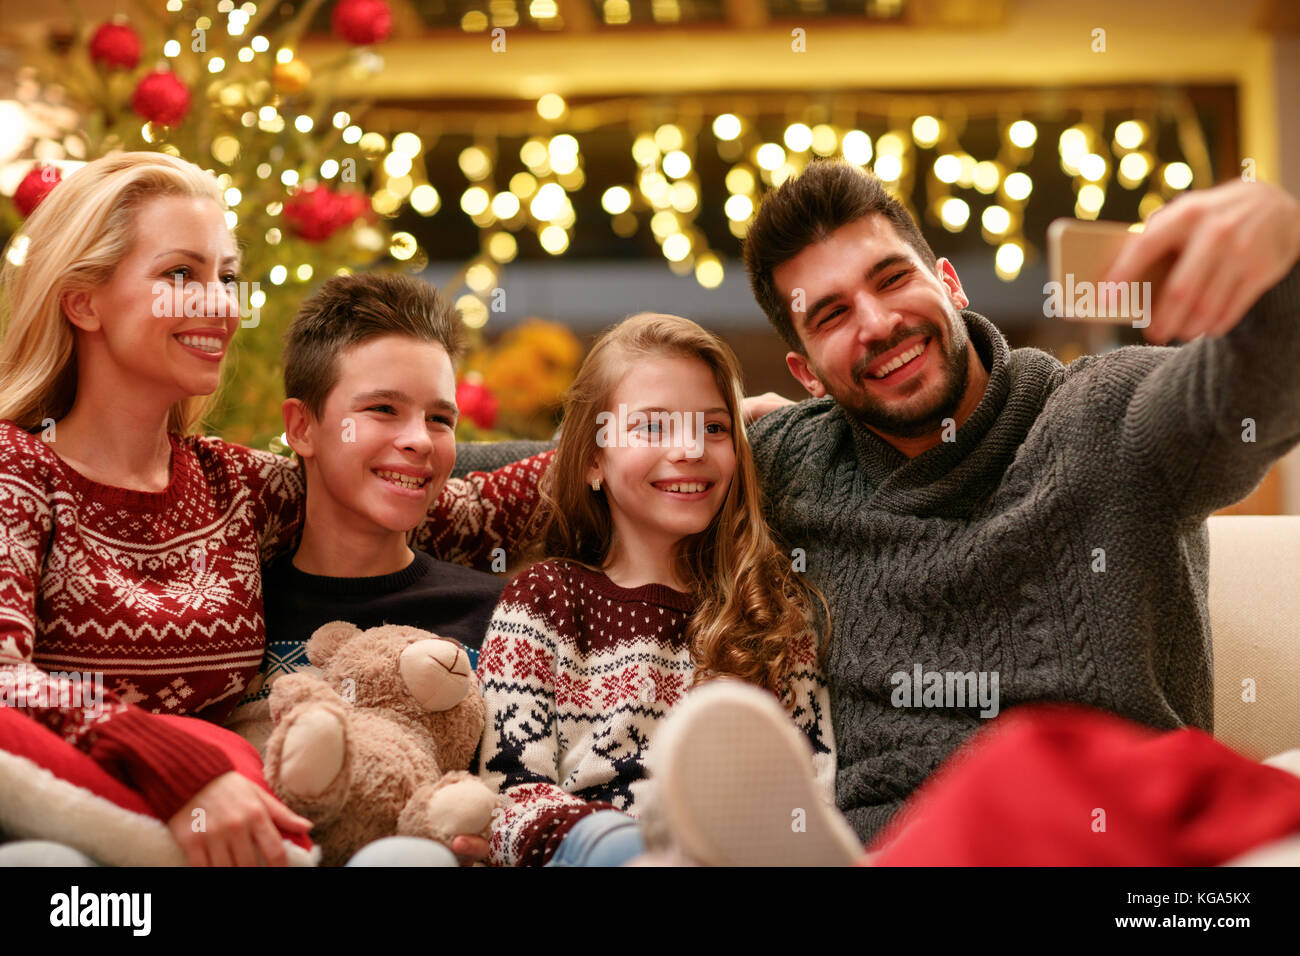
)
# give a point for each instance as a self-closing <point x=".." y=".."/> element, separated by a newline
<point x="527" y="370"/>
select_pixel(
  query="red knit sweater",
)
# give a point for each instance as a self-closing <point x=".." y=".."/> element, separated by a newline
<point x="161" y="593"/>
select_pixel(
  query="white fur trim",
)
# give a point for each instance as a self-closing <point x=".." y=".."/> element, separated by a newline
<point x="36" y="804"/>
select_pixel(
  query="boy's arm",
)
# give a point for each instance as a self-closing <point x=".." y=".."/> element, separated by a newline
<point x="492" y="494"/>
<point x="279" y="493"/>
<point x="484" y="515"/>
<point x="491" y="455"/>
<point x="1208" y="421"/>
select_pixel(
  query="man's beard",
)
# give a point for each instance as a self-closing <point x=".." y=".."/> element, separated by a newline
<point x="897" y="420"/>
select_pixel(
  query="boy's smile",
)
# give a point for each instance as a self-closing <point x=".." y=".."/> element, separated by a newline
<point x="405" y="479"/>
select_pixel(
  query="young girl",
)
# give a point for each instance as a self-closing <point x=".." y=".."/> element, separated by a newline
<point x="129" y="546"/>
<point x="663" y="575"/>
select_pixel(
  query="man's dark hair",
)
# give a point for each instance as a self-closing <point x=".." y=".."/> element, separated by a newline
<point x="806" y="209"/>
<point x="348" y="310"/>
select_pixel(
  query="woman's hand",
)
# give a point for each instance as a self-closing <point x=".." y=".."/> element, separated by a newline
<point x="239" y="822"/>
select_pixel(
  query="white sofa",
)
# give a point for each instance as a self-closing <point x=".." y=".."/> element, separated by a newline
<point x="1255" y="622"/>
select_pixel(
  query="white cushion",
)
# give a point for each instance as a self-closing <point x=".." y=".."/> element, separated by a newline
<point x="1255" y="623"/>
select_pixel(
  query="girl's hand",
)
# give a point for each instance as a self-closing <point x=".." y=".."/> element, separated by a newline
<point x="238" y="821"/>
<point x="470" y="849"/>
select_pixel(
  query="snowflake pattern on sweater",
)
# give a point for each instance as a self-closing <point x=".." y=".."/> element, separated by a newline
<point x="577" y="673"/>
<point x="161" y="592"/>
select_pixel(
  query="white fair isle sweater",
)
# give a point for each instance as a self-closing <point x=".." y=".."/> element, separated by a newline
<point x="577" y="673"/>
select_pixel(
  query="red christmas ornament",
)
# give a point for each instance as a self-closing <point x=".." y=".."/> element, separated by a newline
<point x="161" y="98"/>
<point x="115" y="46"/>
<point x="352" y="206"/>
<point x="34" y="187"/>
<point x="318" y="212"/>
<point x="477" y="403"/>
<point x="362" y="21"/>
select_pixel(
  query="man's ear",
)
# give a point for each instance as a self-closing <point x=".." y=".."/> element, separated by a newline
<point x="802" y="371"/>
<point x="297" y="427"/>
<point x="948" y="276"/>
<point x="80" y="310"/>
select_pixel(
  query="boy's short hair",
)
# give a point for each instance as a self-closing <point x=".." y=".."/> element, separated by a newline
<point x="348" y="310"/>
<point x="806" y="209"/>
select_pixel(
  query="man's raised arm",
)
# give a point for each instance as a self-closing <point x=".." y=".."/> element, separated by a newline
<point x="1217" y="412"/>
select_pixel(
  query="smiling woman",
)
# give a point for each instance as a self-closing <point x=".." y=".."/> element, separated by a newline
<point x="114" y="387"/>
<point x="131" y="547"/>
<point x="82" y="256"/>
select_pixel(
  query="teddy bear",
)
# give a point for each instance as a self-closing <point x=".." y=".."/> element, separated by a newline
<point x="377" y="742"/>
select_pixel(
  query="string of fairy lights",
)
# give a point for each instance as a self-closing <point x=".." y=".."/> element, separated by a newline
<point x="663" y="191"/>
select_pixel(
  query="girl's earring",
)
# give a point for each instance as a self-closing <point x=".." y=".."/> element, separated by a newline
<point x="595" y="484"/>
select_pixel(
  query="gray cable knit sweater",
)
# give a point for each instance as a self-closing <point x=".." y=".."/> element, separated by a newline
<point x="982" y="554"/>
<point x="1059" y="541"/>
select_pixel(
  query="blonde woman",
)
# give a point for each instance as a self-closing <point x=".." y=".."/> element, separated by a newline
<point x="131" y="547"/>
<point x="662" y="574"/>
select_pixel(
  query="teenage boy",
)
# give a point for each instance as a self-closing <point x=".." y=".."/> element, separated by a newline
<point x="369" y="373"/>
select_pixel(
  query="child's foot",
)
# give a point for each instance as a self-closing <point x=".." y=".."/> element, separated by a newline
<point x="736" y="784"/>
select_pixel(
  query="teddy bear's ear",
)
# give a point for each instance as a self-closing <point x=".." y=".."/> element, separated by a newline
<point x="327" y="639"/>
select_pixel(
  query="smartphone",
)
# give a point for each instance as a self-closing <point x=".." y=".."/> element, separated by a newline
<point x="1079" y="254"/>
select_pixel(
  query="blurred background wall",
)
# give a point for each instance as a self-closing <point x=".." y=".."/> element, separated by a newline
<point x="574" y="161"/>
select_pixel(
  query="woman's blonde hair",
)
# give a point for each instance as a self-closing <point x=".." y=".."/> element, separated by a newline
<point x="73" y="242"/>
<point x="750" y="604"/>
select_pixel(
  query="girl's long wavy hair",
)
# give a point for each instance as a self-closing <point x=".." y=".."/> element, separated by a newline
<point x="751" y="604"/>
<point x="73" y="242"/>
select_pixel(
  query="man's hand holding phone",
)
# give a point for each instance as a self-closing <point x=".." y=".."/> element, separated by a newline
<point x="1229" y="245"/>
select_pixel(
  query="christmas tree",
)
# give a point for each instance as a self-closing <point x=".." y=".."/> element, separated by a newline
<point x="229" y="93"/>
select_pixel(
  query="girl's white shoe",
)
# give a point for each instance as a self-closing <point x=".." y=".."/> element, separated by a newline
<point x="735" y="784"/>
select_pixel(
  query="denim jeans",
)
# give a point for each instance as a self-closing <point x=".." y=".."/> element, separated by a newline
<point x="604" y="838"/>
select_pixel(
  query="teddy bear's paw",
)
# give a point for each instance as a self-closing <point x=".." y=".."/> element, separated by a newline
<point x="313" y="753"/>
<point x="436" y="673"/>
<point x="459" y="804"/>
